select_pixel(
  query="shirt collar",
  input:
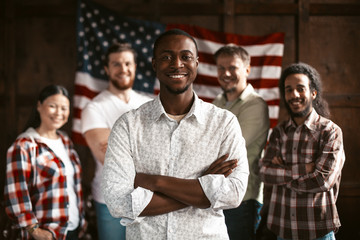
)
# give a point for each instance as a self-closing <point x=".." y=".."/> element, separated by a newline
<point x="247" y="92"/>
<point x="310" y="121"/>
<point x="156" y="110"/>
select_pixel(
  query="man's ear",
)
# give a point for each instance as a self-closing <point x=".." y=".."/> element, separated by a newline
<point x="106" y="70"/>
<point x="248" y="70"/>
<point x="313" y="94"/>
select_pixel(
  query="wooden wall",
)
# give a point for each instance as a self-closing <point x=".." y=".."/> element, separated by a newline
<point x="37" y="47"/>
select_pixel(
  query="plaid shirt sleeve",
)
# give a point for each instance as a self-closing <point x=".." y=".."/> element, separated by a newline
<point x="328" y="165"/>
<point x="274" y="174"/>
<point x="18" y="176"/>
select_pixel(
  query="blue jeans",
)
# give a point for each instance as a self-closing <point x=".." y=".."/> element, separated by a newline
<point x="329" y="236"/>
<point x="108" y="226"/>
<point x="242" y="222"/>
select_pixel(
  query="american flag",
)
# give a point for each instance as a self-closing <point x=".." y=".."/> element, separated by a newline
<point x="98" y="28"/>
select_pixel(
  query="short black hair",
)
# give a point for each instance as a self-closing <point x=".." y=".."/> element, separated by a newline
<point x="171" y="32"/>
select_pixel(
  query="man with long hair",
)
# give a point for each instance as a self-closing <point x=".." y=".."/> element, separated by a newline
<point x="303" y="161"/>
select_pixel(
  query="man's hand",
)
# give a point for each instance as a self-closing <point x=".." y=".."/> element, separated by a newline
<point x="310" y="167"/>
<point x="220" y="166"/>
<point x="277" y="161"/>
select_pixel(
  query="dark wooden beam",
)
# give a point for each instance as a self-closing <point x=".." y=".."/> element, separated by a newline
<point x="185" y="9"/>
<point x="229" y="16"/>
<point x="23" y="100"/>
<point x="50" y="10"/>
<point x="303" y="31"/>
<point x="266" y="9"/>
<point x="349" y="190"/>
<point x="9" y="53"/>
<point x="334" y="9"/>
<point x="343" y="101"/>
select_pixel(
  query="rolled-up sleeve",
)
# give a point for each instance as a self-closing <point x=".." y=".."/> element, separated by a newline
<point x="225" y="193"/>
<point x="118" y="179"/>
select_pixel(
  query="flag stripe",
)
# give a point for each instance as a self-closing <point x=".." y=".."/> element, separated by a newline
<point x="229" y="37"/>
<point x="255" y="60"/>
<point x="256" y="72"/>
<point x="274" y="49"/>
<point x="98" y="27"/>
<point x="257" y="83"/>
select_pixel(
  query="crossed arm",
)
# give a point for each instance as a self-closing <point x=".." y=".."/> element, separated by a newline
<point x="317" y="176"/>
<point x="309" y="167"/>
<point x="172" y="193"/>
<point x="97" y="139"/>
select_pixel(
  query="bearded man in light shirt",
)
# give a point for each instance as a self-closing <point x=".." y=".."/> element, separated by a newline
<point x="99" y="116"/>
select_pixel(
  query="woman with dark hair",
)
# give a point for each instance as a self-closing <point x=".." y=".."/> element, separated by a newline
<point x="43" y="192"/>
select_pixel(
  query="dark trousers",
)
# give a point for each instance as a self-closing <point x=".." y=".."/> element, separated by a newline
<point x="73" y="235"/>
<point x="241" y="222"/>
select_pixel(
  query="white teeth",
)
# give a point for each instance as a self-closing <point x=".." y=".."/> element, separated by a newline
<point x="176" y="76"/>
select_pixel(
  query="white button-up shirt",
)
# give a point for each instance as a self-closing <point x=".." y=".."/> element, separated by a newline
<point x="146" y="140"/>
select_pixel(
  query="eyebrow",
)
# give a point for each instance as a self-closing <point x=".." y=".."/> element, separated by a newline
<point x="298" y="85"/>
<point x="182" y="51"/>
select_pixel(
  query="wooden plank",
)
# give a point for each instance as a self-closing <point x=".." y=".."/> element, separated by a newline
<point x="334" y="9"/>
<point x="25" y="100"/>
<point x="349" y="190"/>
<point x="343" y="101"/>
<point x="186" y="9"/>
<point x="229" y="19"/>
<point x="9" y="53"/>
<point x="144" y="10"/>
<point x="266" y="9"/>
<point x="303" y="31"/>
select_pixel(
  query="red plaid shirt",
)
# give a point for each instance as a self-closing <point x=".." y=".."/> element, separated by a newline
<point x="302" y="206"/>
<point x="35" y="189"/>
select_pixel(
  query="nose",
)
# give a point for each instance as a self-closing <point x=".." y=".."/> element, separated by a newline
<point x="295" y="93"/>
<point x="59" y="111"/>
<point x="227" y="73"/>
<point x="122" y="67"/>
<point x="177" y="62"/>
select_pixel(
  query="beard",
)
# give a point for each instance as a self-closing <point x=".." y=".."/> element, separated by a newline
<point x="230" y="90"/>
<point x="302" y="113"/>
<point x="178" y="91"/>
<point x="120" y="86"/>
